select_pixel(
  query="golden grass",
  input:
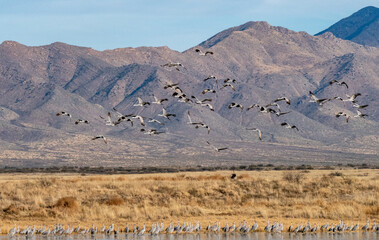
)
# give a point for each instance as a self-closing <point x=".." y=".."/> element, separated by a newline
<point x="296" y="196"/>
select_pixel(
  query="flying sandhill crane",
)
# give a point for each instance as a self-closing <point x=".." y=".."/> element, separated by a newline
<point x="262" y="109"/>
<point x="190" y="119"/>
<point x="166" y="115"/>
<point x="287" y="100"/>
<point x="361" y="115"/>
<point x="210" y="77"/>
<point x="356" y="105"/>
<point x="81" y="121"/>
<point x="273" y="104"/>
<point x="256" y="130"/>
<point x="289" y="126"/>
<point x="201" y="53"/>
<point x="317" y="100"/>
<point x="151" y="131"/>
<point x="208" y="90"/>
<point x="141" y="103"/>
<point x="235" y="105"/>
<point x="198" y="101"/>
<point x="176" y="65"/>
<point x="343" y="114"/>
<point x="228" y="85"/>
<point x="338" y="82"/>
<point x="171" y="85"/>
<point x="64" y="114"/>
<point x="215" y="148"/>
<point x="197" y="124"/>
<point x="351" y="98"/>
<point x="108" y="121"/>
<point x="155" y="121"/>
<point x="141" y="119"/>
<point x="159" y="101"/>
<point x="124" y="119"/>
<point x="228" y="80"/>
<point x="121" y="118"/>
<point x="208" y="105"/>
<point x="100" y="136"/>
<point x="203" y="125"/>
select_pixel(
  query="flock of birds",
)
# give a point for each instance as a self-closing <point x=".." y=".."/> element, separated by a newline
<point x="159" y="228"/>
<point x="271" y="108"/>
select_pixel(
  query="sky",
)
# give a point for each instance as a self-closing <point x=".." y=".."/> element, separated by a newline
<point x="180" y="24"/>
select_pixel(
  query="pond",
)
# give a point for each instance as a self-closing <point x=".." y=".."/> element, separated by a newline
<point x="212" y="236"/>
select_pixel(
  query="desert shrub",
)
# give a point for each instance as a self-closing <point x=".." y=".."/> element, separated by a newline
<point x="11" y="209"/>
<point x="293" y="177"/>
<point x="67" y="203"/>
<point x="336" y="174"/>
<point x="115" y="201"/>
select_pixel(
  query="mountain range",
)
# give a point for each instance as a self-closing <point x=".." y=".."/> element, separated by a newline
<point x="266" y="62"/>
<point x="361" y="27"/>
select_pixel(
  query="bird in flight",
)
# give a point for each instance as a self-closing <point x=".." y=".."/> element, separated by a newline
<point x="64" y="114"/>
<point x="317" y="100"/>
<point x="171" y="85"/>
<point x="109" y="121"/>
<point x="151" y="131"/>
<point x="228" y="80"/>
<point x="197" y="124"/>
<point x="208" y="90"/>
<point x="256" y="130"/>
<point x="289" y="126"/>
<point x="339" y="83"/>
<point x="287" y="100"/>
<point x="141" y="103"/>
<point x="351" y="98"/>
<point x="201" y="53"/>
<point x="141" y="119"/>
<point x="198" y="101"/>
<point x="356" y="105"/>
<point x="176" y="65"/>
<point x="359" y="114"/>
<point x="217" y="149"/>
<point x="210" y="77"/>
<point x="159" y="101"/>
<point x="228" y="85"/>
<point x="235" y="105"/>
<point x="166" y="115"/>
<point x="339" y="114"/>
<point x="100" y="136"/>
<point x="155" y="120"/>
<point x="81" y="121"/>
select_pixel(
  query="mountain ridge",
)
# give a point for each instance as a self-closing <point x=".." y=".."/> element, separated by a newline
<point x="267" y="62"/>
<point x="361" y="27"/>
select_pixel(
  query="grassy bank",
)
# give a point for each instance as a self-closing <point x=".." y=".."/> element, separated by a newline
<point x="297" y="196"/>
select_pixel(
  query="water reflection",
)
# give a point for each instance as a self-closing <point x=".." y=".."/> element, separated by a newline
<point x="212" y="236"/>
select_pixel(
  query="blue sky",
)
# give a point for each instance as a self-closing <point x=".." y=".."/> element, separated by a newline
<point x="180" y="24"/>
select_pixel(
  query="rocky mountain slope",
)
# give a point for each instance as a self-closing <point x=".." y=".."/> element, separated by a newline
<point x="361" y="27"/>
<point x="267" y="62"/>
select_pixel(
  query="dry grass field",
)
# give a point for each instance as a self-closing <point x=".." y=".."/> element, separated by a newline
<point x="298" y="196"/>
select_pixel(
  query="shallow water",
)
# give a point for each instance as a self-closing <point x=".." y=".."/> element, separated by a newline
<point x="212" y="236"/>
